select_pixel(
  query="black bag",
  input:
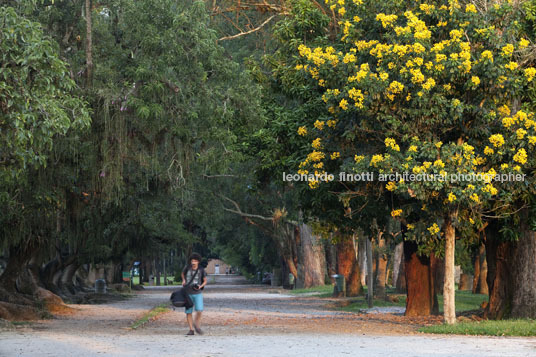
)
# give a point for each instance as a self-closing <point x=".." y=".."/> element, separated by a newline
<point x="181" y="298"/>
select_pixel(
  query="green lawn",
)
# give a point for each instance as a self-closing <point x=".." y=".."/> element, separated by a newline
<point x="465" y="300"/>
<point x="319" y="291"/>
<point x="486" y="327"/>
<point x="136" y="280"/>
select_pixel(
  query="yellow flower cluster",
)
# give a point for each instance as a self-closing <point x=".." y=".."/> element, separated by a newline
<point x="470" y="8"/>
<point x="487" y="55"/>
<point x="412" y="148"/>
<point x="451" y="197"/>
<point x="508" y="50"/>
<point x="420" y="31"/>
<point x="497" y="140"/>
<point x="335" y="155"/>
<point x="317" y="143"/>
<point x="358" y="158"/>
<point x="511" y="66"/>
<point x="357" y="96"/>
<point x="489" y="188"/>
<point x="343" y="104"/>
<point x="331" y="123"/>
<point x="417" y="76"/>
<point x="520" y="133"/>
<point x="319" y="125"/>
<point x="315" y="156"/>
<point x="433" y="229"/>
<point x="475" y="80"/>
<point x="314" y="184"/>
<point x="376" y="159"/>
<point x="439" y="163"/>
<point x="386" y="20"/>
<point x="302" y="131"/>
<point x="391" y="143"/>
<point x="530" y="73"/>
<point x="393" y="89"/>
<point x="488" y="150"/>
<point x="318" y="56"/>
<point x="521" y="156"/>
<point x="427" y="8"/>
<point x="475" y="198"/>
<point x="429" y="84"/>
<point x="524" y="43"/>
<point x="396" y="212"/>
<point x="391" y="186"/>
<point x="362" y="73"/>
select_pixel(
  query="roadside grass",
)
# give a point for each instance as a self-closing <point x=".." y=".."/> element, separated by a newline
<point x="136" y="280"/>
<point x="465" y="300"/>
<point x="523" y="327"/>
<point x="150" y="315"/>
<point x="318" y="291"/>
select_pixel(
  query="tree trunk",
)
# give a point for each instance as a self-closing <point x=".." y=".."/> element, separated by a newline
<point x="449" y="308"/>
<point x="480" y="285"/>
<point x="89" y="44"/>
<point x="16" y="265"/>
<point x="362" y="259"/>
<point x="482" y="282"/>
<point x="66" y="280"/>
<point x="499" y="256"/>
<point x="524" y="273"/>
<point x="370" y="275"/>
<point x="421" y="294"/>
<point x="331" y="260"/>
<point x="158" y="268"/>
<point x="466" y="281"/>
<point x="381" y="269"/>
<point x="347" y="265"/>
<point x="311" y="255"/>
<point x="476" y="265"/>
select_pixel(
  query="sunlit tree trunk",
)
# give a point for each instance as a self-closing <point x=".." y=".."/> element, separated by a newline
<point x="449" y="308"/>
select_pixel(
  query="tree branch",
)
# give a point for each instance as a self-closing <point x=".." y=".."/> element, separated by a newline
<point x="247" y="32"/>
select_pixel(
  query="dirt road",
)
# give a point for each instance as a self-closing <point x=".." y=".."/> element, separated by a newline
<point x="243" y="321"/>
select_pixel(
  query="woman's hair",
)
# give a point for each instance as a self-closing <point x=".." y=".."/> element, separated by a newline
<point x="195" y="256"/>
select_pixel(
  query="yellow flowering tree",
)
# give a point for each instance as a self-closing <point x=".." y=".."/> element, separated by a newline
<point x="434" y="88"/>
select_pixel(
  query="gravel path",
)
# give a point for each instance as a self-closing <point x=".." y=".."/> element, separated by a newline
<point x="244" y="321"/>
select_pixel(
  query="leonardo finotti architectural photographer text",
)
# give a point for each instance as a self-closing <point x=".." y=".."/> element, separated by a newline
<point x="405" y="176"/>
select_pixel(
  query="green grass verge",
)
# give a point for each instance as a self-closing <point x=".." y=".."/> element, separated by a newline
<point x="151" y="314"/>
<point x="318" y="291"/>
<point x="136" y="280"/>
<point x="465" y="300"/>
<point x="486" y="327"/>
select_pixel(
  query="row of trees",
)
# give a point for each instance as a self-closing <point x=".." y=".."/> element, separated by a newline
<point x="141" y="130"/>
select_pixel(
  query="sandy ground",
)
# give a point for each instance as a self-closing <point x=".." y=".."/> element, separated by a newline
<point x="244" y="321"/>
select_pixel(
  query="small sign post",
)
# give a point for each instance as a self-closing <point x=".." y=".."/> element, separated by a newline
<point x="127" y="277"/>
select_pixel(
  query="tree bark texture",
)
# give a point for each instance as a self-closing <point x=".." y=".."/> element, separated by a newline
<point x="381" y="267"/>
<point x="347" y="265"/>
<point x="311" y="257"/>
<point x="449" y="308"/>
<point x="421" y="294"/>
